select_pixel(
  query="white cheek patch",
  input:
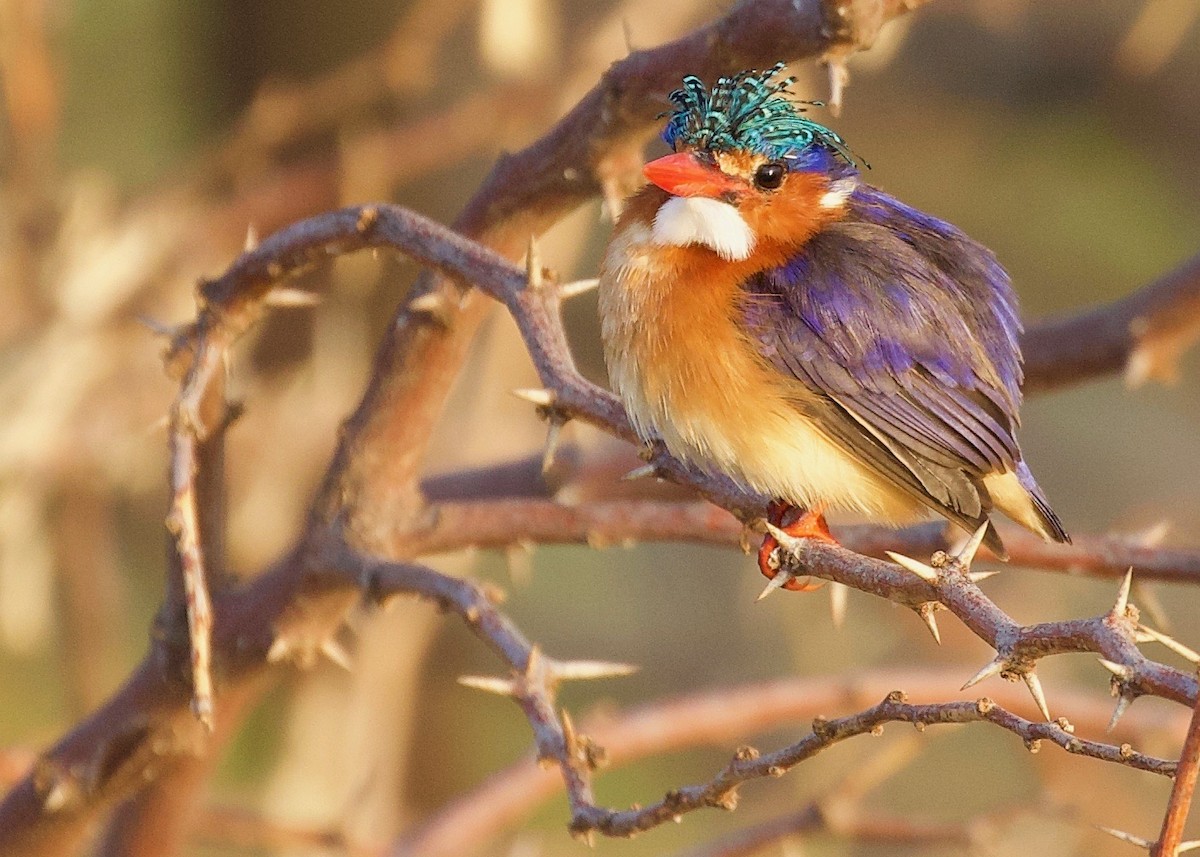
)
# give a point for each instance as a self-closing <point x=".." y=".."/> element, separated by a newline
<point x="838" y="193"/>
<point x="699" y="220"/>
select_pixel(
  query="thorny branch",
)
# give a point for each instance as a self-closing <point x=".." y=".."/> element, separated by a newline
<point x="366" y="524"/>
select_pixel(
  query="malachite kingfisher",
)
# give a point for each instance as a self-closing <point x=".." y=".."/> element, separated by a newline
<point x="771" y="317"/>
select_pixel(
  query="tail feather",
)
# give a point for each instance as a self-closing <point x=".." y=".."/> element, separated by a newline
<point x="1017" y="494"/>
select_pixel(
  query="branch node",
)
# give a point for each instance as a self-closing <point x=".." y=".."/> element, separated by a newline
<point x="367" y="218"/>
<point x="746" y="753"/>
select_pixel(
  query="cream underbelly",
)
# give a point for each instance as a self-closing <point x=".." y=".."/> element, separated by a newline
<point x="775" y="450"/>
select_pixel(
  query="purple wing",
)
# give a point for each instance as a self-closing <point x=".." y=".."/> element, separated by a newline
<point x="906" y="330"/>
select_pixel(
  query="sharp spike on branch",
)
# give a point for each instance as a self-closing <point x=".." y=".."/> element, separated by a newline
<point x="976" y="576"/>
<point x="1035" y="690"/>
<point x="966" y="556"/>
<point x="1126" y="837"/>
<point x="1123" y="594"/>
<point x="1123" y="702"/>
<point x="614" y="198"/>
<point x="926" y="611"/>
<point x="288" y="298"/>
<point x="251" y="242"/>
<point x="781" y="579"/>
<point x="588" y="670"/>
<point x="838" y="598"/>
<point x="920" y="569"/>
<point x="786" y="540"/>
<point x="158" y="328"/>
<point x="281" y="649"/>
<point x="993" y="667"/>
<point x="1119" y="670"/>
<point x="646" y="471"/>
<point x="433" y="305"/>
<point x="536" y="663"/>
<point x="489" y="684"/>
<point x="1171" y="643"/>
<point x="578" y="287"/>
<point x="553" y="439"/>
<point x="1190" y="845"/>
<point x="534" y="275"/>
<point x="1150" y="604"/>
<point x="337" y="653"/>
<point x="541" y="397"/>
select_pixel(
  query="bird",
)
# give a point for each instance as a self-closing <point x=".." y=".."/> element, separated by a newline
<point x="771" y="317"/>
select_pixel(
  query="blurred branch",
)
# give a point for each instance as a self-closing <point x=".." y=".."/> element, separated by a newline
<point x="1142" y="335"/>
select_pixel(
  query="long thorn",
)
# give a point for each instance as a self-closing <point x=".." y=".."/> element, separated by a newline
<point x="1119" y="670"/>
<point x="489" y="684"/>
<point x="644" y="472"/>
<point x="1123" y="594"/>
<point x="925" y="611"/>
<point x="993" y="667"/>
<point x="533" y="265"/>
<point x="920" y="569"/>
<point x="579" y="287"/>
<point x="781" y="578"/>
<point x="1123" y="702"/>
<point x="337" y="653"/>
<point x="966" y="556"/>
<point x="539" y="396"/>
<point x="1035" y="690"/>
<point x="1171" y="643"/>
<point x="586" y="670"/>
<point x="553" y="439"/>
<point x="838" y="598"/>
<point x="977" y="576"/>
<point x="1126" y="837"/>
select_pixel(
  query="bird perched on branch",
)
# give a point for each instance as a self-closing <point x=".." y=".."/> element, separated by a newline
<point x="773" y="318"/>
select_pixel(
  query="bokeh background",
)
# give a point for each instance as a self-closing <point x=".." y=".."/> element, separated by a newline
<point x="140" y="138"/>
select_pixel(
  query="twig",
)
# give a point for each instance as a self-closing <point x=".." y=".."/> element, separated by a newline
<point x="713" y="718"/>
<point x="1180" y="802"/>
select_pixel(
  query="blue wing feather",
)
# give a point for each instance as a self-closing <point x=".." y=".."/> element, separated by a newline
<point x="907" y="330"/>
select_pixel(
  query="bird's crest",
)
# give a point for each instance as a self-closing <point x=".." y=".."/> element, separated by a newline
<point x="748" y="112"/>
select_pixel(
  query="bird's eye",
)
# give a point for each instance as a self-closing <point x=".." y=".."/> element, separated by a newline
<point x="769" y="176"/>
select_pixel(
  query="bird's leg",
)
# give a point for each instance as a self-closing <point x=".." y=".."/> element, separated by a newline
<point x="803" y="524"/>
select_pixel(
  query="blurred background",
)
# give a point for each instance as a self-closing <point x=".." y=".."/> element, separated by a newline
<point x="139" y="139"/>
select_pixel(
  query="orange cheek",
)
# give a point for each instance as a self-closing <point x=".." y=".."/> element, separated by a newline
<point x="790" y="216"/>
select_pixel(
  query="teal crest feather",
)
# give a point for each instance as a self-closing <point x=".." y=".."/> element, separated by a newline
<point x="747" y="112"/>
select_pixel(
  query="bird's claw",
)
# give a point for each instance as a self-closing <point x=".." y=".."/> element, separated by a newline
<point x="809" y="524"/>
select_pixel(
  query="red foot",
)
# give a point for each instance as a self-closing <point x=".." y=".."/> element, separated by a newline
<point x="807" y="525"/>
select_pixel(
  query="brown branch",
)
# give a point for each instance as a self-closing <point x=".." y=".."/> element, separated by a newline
<point x="535" y="678"/>
<point x="1142" y="334"/>
<point x="370" y="493"/>
<point x="1180" y="802"/>
<point x="712" y="718"/>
